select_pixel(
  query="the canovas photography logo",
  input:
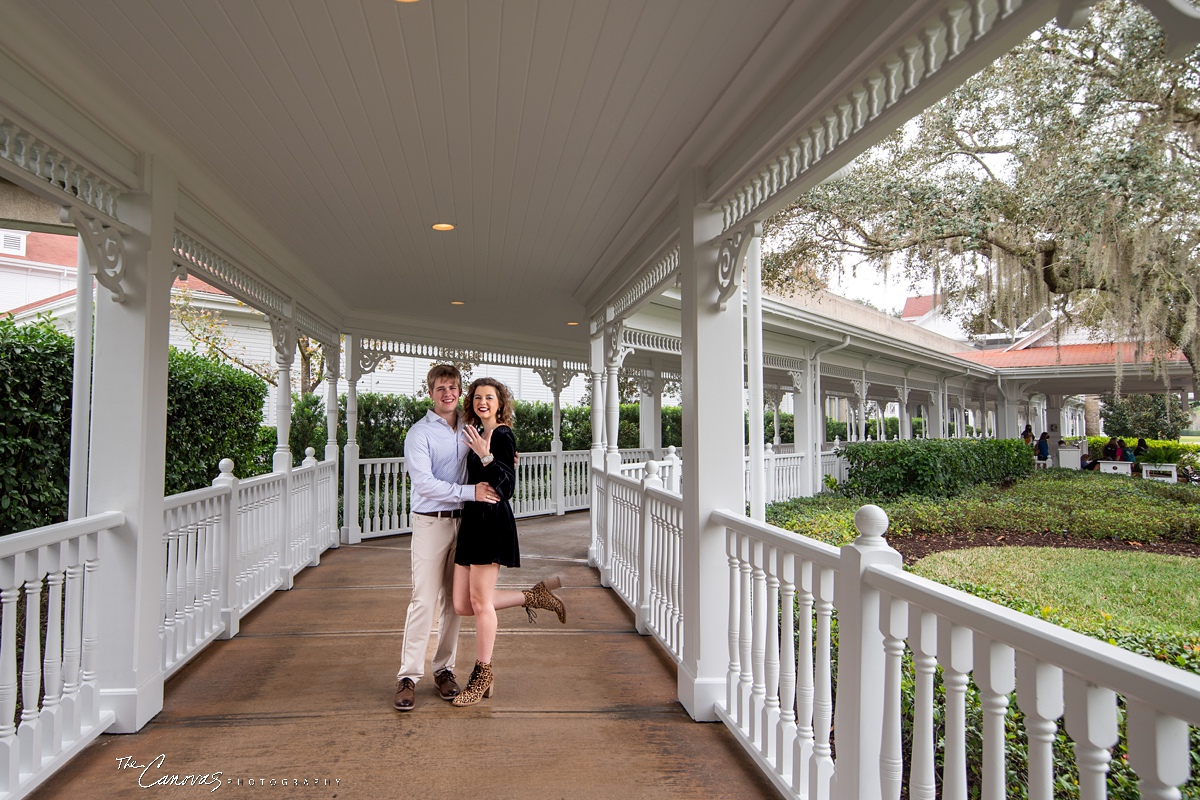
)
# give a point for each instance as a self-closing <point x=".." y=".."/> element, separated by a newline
<point x="156" y="774"/>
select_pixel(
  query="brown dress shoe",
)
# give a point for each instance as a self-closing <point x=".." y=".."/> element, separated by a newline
<point x="447" y="686"/>
<point x="406" y="695"/>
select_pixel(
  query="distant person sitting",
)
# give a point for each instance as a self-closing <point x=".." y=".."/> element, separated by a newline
<point x="1042" y="448"/>
<point x="1141" y="449"/>
<point x="1111" y="451"/>
<point x="1086" y="463"/>
<point x="1127" y="453"/>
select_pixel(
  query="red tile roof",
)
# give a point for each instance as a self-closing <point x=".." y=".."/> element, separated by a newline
<point x="191" y="283"/>
<point x="919" y="306"/>
<point x="51" y="248"/>
<point x="1074" y="355"/>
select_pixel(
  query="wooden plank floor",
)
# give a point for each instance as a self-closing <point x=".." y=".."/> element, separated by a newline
<point x="303" y="693"/>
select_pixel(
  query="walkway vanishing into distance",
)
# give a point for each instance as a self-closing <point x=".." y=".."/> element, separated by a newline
<point x="585" y="710"/>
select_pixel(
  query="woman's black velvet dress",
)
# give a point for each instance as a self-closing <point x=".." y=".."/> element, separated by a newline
<point x="488" y="533"/>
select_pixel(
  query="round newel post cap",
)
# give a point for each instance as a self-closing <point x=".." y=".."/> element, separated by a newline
<point x="651" y="469"/>
<point x="309" y="452"/>
<point x="226" y="467"/>
<point x="871" y="521"/>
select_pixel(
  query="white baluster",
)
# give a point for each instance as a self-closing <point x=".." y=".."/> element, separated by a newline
<point x="31" y="671"/>
<point x="10" y="750"/>
<point x="770" y="715"/>
<point x="52" y="684"/>
<point x="1158" y="751"/>
<point x="893" y="623"/>
<point x="1039" y="694"/>
<point x="820" y="773"/>
<point x="745" y="634"/>
<point x="758" y="649"/>
<point x="995" y="675"/>
<point x="1092" y="722"/>
<point x="89" y="692"/>
<point x="922" y="638"/>
<point x="804" y="678"/>
<point x="785" y="738"/>
<point x="732" y="547"/>
<point x="954" y="654"/>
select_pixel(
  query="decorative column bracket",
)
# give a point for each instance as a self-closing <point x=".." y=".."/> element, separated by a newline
<point x="556" y="378"/>
<point x="730" y="259"/>
<point x="616" y="348"/>
<point x="105" y="247"/>
<point x="283" y="337"/>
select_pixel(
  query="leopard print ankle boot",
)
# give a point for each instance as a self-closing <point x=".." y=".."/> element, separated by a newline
<point x="540" y="597"/>
<point x="479" y="687"/>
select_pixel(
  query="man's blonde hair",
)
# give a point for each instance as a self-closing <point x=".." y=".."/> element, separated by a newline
<point x="441" y="372"/>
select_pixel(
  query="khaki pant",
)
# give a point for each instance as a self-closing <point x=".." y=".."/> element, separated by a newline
<point x="433" y="540"/>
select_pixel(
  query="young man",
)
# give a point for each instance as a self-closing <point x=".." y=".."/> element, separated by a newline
<point x="435" y="454"/>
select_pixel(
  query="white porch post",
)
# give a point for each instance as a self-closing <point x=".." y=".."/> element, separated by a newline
<point x="614" y="355"/>
<point x="754" y="370"/>
<point x="81" y="392"/>
<point x="905" y="426"/>
<point x="597" y="455"/>
<point x="712" y="442"/>
<point x="1054" y="425"/>
<point x="351" y="532"/>
<point x="1007" y="423"/>
<point x="650" y="410"/>
<point x="332" y="368"/>
<point x="128" y="453"/>
<point x="802" y="429"/>
<point x="283" y="333"/>
<point x="555" y="379"/>
<point x="934" y="426"/>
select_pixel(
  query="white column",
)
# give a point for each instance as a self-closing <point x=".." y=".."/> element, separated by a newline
<point x="351" y="527"/>
<point x="656" y="390"/>
<point x="754" y="371"/>
<point x="597" y="456"/>
<point x="802" y="429"/>
<point x="332" y="367"/>
<point x="711" y="375"/>
<point x="905" y="427"/>
<point x="555" y="379"/>
<point x="283" y="331"/>
<point x="128" y="454"/>
<point x="615" y="355"/>
<point x="934" y="428"/>
<point x="81" y="392"/>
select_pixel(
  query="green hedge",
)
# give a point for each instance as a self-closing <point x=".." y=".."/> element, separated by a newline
<point x="932" y="467"/>
<point x="35" y="424"/>
<point x="214" y="411"/>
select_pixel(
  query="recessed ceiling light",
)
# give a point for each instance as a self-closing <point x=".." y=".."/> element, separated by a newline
<point x="572" y="323"/>
<point x="443" y="226"/>
<point x="406" y="1"/>
<point x="458" y="302"/>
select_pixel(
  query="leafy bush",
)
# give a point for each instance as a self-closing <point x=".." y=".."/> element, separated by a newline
<point x="1067" y="502"/>
<point x="214" y="411"/>
<point x="308" y="428"/>
<point x="932" y="467"/>
<point x="35" y="423"/>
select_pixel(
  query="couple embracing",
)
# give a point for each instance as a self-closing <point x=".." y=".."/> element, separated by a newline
<point x="463" y="471"/>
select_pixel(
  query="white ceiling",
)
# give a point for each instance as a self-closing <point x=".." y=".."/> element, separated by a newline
<point x="554" y="134"/>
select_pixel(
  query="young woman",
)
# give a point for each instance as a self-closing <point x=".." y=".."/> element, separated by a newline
<point x="487" y="536"/>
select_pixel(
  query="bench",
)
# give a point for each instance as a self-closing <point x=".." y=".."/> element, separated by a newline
<point x="1160" y="472"/>
<point x="1117" y="467"/>
<point x="1068" y="457"/>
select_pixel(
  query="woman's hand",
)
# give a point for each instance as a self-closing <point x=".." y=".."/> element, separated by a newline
<point x="480" y="443"/>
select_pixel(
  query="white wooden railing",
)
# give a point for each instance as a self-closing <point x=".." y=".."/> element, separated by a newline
<point x="785" y="593"/>
<point x="228" y="547"/>
<point x="59" y="696"/>
<point x="547" y="483"/>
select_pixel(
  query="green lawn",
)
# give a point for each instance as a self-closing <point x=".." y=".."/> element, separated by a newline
<point x="1085" y="589"/>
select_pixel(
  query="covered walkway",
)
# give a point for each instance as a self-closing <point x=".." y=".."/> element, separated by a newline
<point x="586" y="710"/>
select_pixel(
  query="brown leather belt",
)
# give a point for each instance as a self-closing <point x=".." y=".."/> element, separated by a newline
<point x="440" y="514"/>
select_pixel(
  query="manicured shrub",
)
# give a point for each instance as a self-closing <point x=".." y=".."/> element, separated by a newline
<point x="214" y="411"/>
<point x="932" y="467"/>
<point x="35" y="424"/>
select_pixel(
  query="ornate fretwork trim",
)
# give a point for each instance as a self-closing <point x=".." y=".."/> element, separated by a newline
<point x="783" y="362"/>
<point x="192" y="256"/>
<point x="650" y="281"/>
<point x="651" y="342"/>
<point x="309" y="325"/>
<point x="371" y="352"/>
<point x="556" y="378"/>
<point x="70" y="182"/>
<point x="615" y="348"/>
<point x="730" y="258"/>
<point x="105" y="247"/>
<point x="835" y="371"/>
<point x="945" y="37"/>
<point x="283" y="337"/>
